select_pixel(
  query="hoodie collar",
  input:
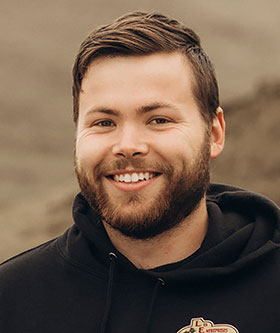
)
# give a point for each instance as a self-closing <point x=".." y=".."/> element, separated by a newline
<point x="243" y="227"/>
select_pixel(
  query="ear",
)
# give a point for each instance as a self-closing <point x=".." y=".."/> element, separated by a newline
<point x="218" y="133"/>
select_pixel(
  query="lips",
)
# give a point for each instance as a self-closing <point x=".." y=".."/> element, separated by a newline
<point x="133" y="176"/>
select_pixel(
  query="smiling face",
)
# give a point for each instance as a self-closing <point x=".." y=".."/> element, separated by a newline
<point x="142" y="148"/>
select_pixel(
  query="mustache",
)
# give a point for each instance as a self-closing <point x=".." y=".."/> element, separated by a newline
<point x="102" y="169"/>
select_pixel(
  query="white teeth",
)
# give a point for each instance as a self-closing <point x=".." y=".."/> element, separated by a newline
<point x="134" y="177"/>
<point x="146" y="175"/>
<point x="127" y="178"/>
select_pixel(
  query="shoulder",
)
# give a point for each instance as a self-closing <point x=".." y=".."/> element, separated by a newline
<point x="34" y="262"/>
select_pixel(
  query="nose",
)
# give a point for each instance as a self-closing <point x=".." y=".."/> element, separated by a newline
<point x="130" y="143"/>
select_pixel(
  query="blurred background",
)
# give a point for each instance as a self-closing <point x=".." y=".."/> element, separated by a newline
<point x="39" y="40"/>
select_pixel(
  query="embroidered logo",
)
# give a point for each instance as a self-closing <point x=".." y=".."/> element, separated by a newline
<point x="199" y="325"/>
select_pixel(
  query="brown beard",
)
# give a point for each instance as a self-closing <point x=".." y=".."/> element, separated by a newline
<point x="184" y="190"/>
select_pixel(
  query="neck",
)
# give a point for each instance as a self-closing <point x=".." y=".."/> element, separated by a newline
<point x="169" y="247"/>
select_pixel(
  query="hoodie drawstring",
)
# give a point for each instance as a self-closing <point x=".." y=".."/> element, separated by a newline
<point x="112" y="257"/>
<point x="160" y="282"/>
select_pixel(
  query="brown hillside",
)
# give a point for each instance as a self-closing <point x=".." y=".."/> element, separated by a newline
<point x="251" y="158"/>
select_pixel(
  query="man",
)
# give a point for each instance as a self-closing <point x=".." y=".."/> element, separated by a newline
<point x="154" y="247"/>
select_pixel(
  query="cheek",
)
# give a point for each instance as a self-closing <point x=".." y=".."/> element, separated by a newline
<point x="173" y="146"/>
<point x="87" y="151"/>
<point x="92" y="150"/>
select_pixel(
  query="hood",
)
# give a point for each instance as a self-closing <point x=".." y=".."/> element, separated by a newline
<point x="243" y="229"/>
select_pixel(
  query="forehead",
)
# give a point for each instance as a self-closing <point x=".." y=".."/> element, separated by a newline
<point x="160" y="77"/>
<point x="162" y="63"/>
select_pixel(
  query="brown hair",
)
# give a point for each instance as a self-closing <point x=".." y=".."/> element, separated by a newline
<point x="141" y="33"/>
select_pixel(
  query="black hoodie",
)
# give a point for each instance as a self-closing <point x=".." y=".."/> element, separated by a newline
<point x="79" y="282"/>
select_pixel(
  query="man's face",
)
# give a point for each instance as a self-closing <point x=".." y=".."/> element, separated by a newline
<point x="142" y="148"/>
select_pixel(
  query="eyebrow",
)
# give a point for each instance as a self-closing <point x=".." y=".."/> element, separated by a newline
<point x="105" y="110"/>
<point x="152" y="107"/>
<point x="140" y="110"/>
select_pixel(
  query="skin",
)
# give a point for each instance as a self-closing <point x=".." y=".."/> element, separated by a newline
<point x="142" y="107"/>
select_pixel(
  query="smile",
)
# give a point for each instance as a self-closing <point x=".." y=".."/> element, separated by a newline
<point x="133" y="177"/>
<point x="132" y="180"/>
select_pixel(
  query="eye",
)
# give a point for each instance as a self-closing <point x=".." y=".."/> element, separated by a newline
<point x="157" y="121"/>
<point x="104" y="123"/>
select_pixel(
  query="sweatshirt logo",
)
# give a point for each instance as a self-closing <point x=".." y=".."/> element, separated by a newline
<point x="199" y="325"/>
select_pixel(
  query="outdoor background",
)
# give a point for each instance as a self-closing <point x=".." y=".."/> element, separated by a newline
<point x="39" y="40"/>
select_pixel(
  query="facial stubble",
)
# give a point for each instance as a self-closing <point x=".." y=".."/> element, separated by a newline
<point x="182" y="191"/>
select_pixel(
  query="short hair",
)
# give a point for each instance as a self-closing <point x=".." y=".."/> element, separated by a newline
<point x="140" y="33"/>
